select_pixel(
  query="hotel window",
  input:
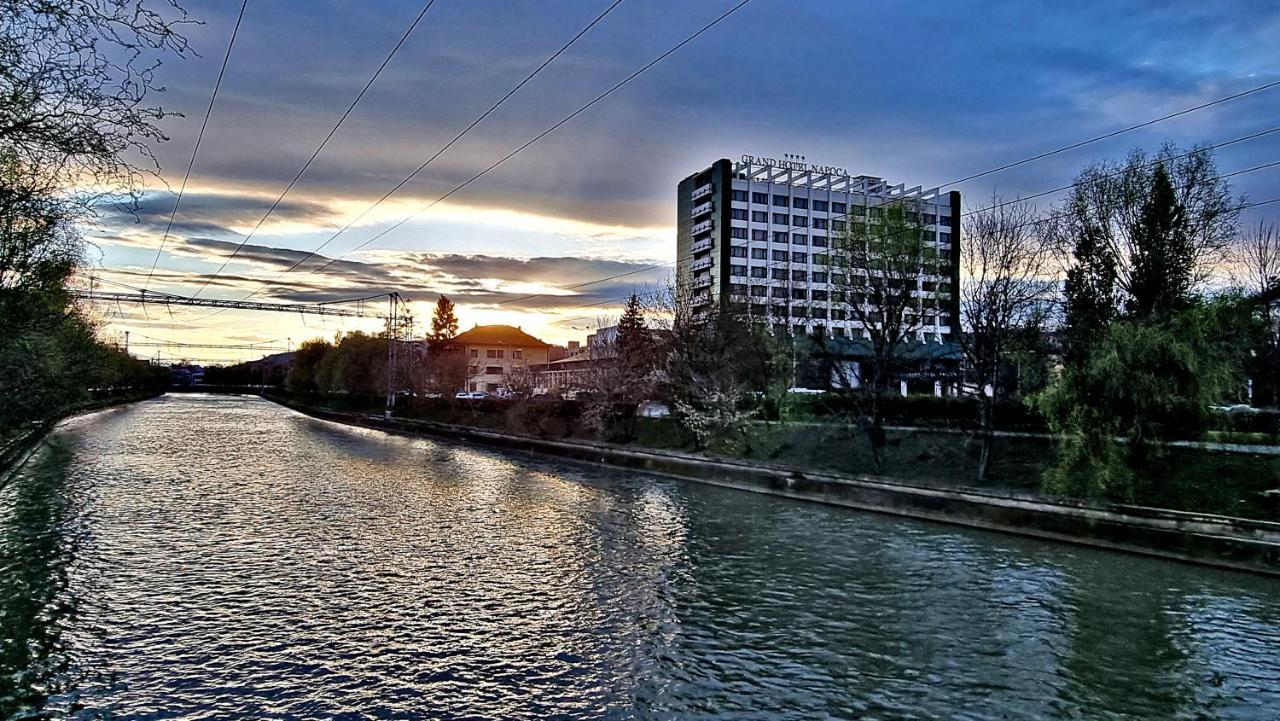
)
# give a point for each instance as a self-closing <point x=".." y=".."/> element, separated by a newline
<point x="801" y="275"/>
<point x="799" y="239"/>
<point x="838" y="226"/>
<point x="821" y="259"/>
<point x="779" y="255"/>
<point x="517" y="354"/>
<point x="740" y="233"/>
<point x="820" y="205"/>
<point x="493" y="370"/>
<point x="759" y="253"/>
<point x="759" y="235"/>
<point x="930" y="219"/>
<point x="491" y="353"/>
<point x="738" y="252"/>
<point x="780" y="236"/>
<point x="779" y="273"/>
<point x="780" y="218"/>
<point x="759" y="216"/>
<point x="802" y="203"/>
<point x="798" y="257"/>
<point x="944" y="220"/>
<point x="838" y="208"/>
<point x="761" y="198"/>
<point x="737" y="214"/>
<point x="740" y="196"/>
<point x="799" y="221"/>
<point x="819" y="277"/>
<point x="820" y="295"/>
<point x="876" y="212"/>
<point x="737" y="270"/>
<point x="759" y="271"/>
<point x="759" y="291"/>
<point x="737" y="289"/>
<point x="799" y="294"/>
<point x="779" y="293"/>
<point x="475" y="352"/>
<point x="859" y="210"/>
<point x="944" y="237"/>
<point x="780" y="200"/>
<point x="820" y="241"/>
<point x="838" y="314"/>
<point x="820" y="223"/>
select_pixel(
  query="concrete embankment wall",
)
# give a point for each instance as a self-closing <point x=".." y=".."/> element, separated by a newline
<point x="1199" y="538"/>
<point x="15" y="449"/>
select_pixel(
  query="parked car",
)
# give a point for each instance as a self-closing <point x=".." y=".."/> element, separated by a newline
<point x="471" y="395"/>
<point x="1235" y="409"/>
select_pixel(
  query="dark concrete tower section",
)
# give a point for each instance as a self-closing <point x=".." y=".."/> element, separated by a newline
<point x="702" y="234"/>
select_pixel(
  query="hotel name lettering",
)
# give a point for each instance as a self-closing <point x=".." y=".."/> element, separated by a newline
<point x="800" y="165"/>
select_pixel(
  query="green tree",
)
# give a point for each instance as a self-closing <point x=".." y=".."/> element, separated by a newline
<point x="301" y="377"/>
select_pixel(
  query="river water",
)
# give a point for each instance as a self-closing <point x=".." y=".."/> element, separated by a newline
<point x="202" y="557"/>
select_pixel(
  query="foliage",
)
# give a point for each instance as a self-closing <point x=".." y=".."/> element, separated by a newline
<point x="1142" y="382"/>
<point x="355" y="365"/>
<point x="301" y="377"/>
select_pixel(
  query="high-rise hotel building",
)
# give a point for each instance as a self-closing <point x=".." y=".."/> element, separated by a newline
<point x="757" y="232"/>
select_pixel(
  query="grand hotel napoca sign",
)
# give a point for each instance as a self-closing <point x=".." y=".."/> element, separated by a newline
<point x="791" y="161"/>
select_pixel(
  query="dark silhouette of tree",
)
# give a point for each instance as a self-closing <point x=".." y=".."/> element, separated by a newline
<point x="444" y="324"/>
<point x="1163" y="261"/>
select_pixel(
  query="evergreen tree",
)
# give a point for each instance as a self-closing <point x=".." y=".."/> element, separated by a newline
<point x="1163" y="256"/>
<point x="444" y="324"/>
<point x="632" y="344"/>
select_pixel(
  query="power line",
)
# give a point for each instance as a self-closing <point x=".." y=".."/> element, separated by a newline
<point x="1082" y="143"/>
<point x="195" y="150"/>
<point x="511" y="154"/>
<point x="1022" y="199"/>
<point x="321" y="146"/>
<point x="1114" y="133"/>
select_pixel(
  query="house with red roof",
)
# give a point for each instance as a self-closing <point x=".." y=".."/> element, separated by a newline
<point x="494" y="352"/>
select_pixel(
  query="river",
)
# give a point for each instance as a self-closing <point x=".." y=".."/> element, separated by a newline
<point x="208" y="557"/>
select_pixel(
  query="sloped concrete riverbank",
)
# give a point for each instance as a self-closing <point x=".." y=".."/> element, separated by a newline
<point x="1221" y="541"/>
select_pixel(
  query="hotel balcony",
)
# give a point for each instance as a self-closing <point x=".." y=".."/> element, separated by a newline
<point x="703" y="281"/>
<point x="702" y="192"/>
<point x="703" y="227"/>
<point x="703" y="209"/>
<point x="701" y="264"/>
<point x="705" y="244"/>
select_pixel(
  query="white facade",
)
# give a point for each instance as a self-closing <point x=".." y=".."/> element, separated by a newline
<point x="769" y="248"/>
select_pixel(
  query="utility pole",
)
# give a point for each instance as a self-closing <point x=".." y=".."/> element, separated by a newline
<point x="393" y="328"/>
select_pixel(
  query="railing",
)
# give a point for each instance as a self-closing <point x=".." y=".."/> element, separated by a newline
<point x="703" y="245"/>
<point x="704" y="208"/>
<point x="702" y="192"/>
<point x="703" y="227"/>
<point x="700" y="264"/>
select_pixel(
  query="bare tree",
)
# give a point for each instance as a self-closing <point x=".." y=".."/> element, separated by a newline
<point x="1108" y="201"/>
<point x="1256" y="267"/>
<point x="1006" y="288"/>
<point x="74" y="89"/>
<point x="887" y="275"/>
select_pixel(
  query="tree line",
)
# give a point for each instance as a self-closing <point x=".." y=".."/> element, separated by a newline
<point x="76" y="130"/>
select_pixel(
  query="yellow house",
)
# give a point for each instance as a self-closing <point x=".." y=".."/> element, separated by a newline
<point x="494" y="351"/>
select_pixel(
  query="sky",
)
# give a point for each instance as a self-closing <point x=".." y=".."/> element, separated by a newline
<point x="918" y="93"/>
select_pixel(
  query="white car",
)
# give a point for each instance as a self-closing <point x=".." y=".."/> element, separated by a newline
<point x="471" y="395"/>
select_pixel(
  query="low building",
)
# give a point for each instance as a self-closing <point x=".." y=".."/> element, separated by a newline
<point x="495" y="352"/>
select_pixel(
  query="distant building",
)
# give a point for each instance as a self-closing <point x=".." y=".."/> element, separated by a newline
<point x="576" y="370"/>
<point x="758" y="233"/>
<point x="494" y="352"/>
